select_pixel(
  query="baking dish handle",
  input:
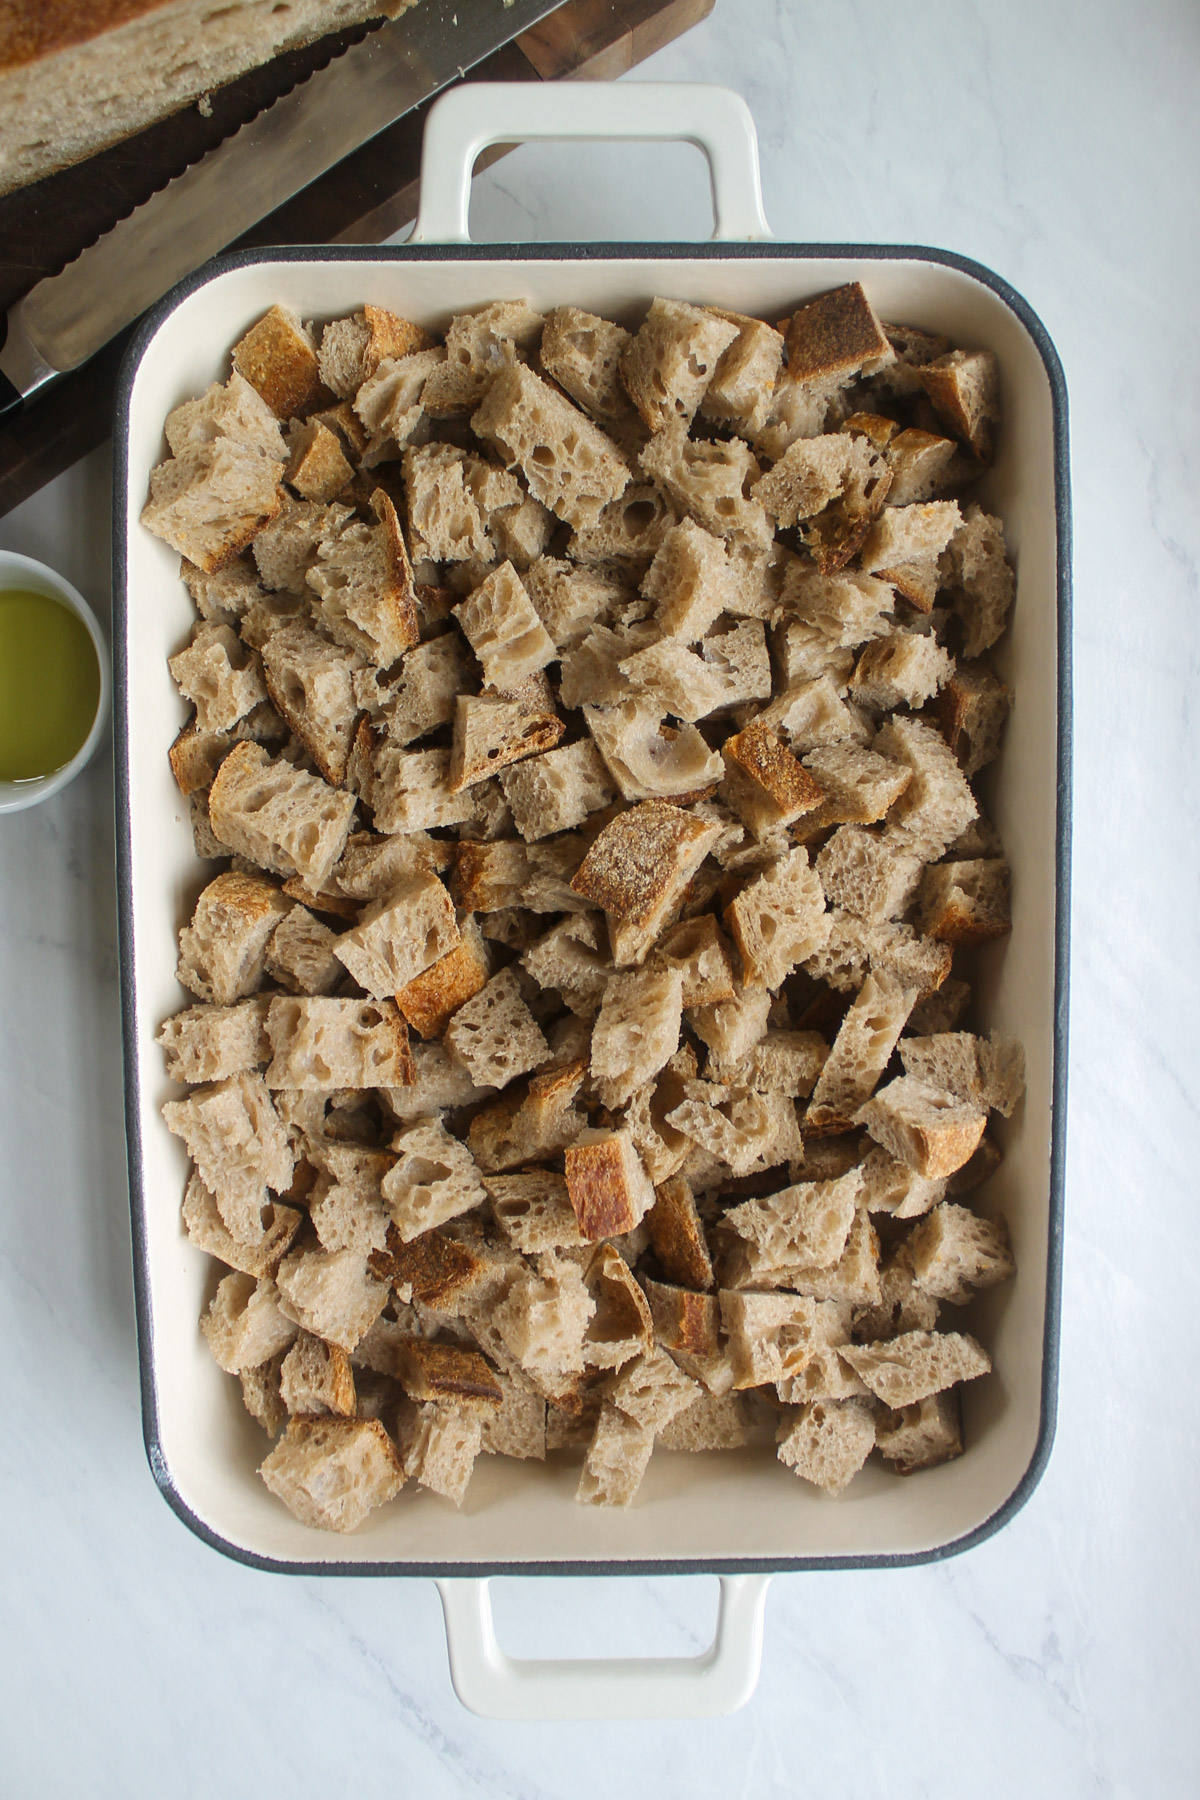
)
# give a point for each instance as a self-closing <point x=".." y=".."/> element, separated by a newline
<point x="498" y="1686"/>
<point x="465" y="120"/>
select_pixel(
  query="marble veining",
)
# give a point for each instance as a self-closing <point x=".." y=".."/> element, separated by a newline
<point x="1060" y="146"/>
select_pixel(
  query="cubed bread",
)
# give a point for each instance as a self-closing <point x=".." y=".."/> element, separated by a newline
<point x="430" y="1000"/>
<point x="478" y="343"/>
<point x="965" y="902"/>
<point x="556" y="791"/>
<point x="964" y="386"/>
<point x="317" y="468"/>
<point x="434" y="1178"/>
<point x="532" y="1122"/>
<point x="700" y="951"/>
<point x="691" y="582"/>
<point x="827" y="1442"/>
<point x="311" y="685"/>
<point x="491" y="732"/>
<point x="672" y="359"/>
<point x="905" y="668"/>
<point x="421" y="697"/>
<point x="400" y="936"/>
<point x="261" y="1396"/>
<point x="353" y="348"/>
<point x="211" y="499"/>
<point x="653" y="1390"/>
<point x="770" y="1335"/>
<point x="322" y="1043"/>
<point x="608" y="1186"/>
<point x="286" y="549"/>
<point x="617" y="1458"/>
<point x="778" y="920"/>
<point x="647" y="758"/>
<point x="207" y="1230"/>
<point x="890" y="1186"/>
<point x="677" y="1236"/>
<point x="923" y="1126"/>
<point x="499" y="622"/>
<point x="316" y="1378"/>
<point x="710" y="1422"/>
<point x="936" y="803"/>
<point x="621" y="1327"/>
<point x="781" y="1062"/>
<point x="364" y="583"/>
<point x="765" y="784"/>
<point x="582" y="351"/>
<point x="533" y="1209"/>
<point x="239" y="1147"/>
<point x="494" y="1035"/>
<point x="636" y="1031"/>
<point x="982" y="579"/>
<point x="410" y="790"/>
<point x="572" y="958"/>
<point x="709" y="480"/>
<point x="571" y="466"/>
<point x="278" y="357"/>
<point x="731" y="1028"/>
<point x="636" y="869"/>
<point x="439" y="1444"/>
<point x="861" y="1052"/>
<point x="971" y="710"/>
<point x="332" y="1294"/>
<point x="955" y="1253"/>
<point x="278" y="816"/>
<point x="221" y="678"/>
<point x="860" y="786"/>
<point x="807" y="1224"/>
<point x="868" y="873"/>
<point x="836" y="337"/>
<point x="245" y="1324"/>
<point x="905" y="545"/>
<point x="332" y="1472"/>
<point x="922" y="1435"/>
<point x="739" y="392"/>
<point x="740" y="1129"/>
<point x="543" y="1317"/>
<point x="300" y="954"/>
<point x="346" y="1202"/>
<point x="210" y="1043"/>
<point x="909" y="1368"/>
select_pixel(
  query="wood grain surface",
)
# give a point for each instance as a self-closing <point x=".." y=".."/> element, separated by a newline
<point x="362" y="200"/>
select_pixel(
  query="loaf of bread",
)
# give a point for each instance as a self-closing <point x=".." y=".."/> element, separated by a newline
<point x="576" y="1046"/>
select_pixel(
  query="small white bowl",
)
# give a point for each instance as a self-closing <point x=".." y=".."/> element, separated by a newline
<point x="34" y="577"/>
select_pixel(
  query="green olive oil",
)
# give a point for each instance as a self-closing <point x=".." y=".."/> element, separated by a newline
<point x="49" y="684"/>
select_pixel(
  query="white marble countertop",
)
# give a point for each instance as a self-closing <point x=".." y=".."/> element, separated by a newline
<point x="1060" y="146"/>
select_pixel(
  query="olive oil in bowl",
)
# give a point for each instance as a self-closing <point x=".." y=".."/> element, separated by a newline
<point x="49" y="684"/>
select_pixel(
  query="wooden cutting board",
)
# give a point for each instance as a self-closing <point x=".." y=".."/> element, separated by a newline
<point x="363" y="200"/>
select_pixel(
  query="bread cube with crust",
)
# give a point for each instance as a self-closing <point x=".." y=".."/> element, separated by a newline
<point x="240" y="1149"/>
<point x="353" y="348"/>
<point x="778" y="920"/>
<point x="430" y="1000"/>
<point x="491" y="732"/>
<point x="332" y="1294"/>
<point x="332" y="1472"/>
<point x="531" y="1123"/>
<point x="421" y="697"/>
<point x="647" y="758"/>
<point x="206" y="1229"/>
<point x="571" y="466"/>
<point x="210" y="1043"/>
<point x="905" y="544"/>
<point x="807" y="1224"/>
<point x="851" y="1281"/>
<point x="569" y="600"/>
<point x="607" y="1185"/>
<point x="438" y="1085"/>
<point x="230" y="412"/>
<point x="861" y="1052"/>
<point x="223" y="951"/>
<point x="224" y="595"/>
<point x="317" y="468"/>
<point x="278" y="357"/>
<point x="261" y="1396"/>
<point x="848" y="607"/>
<point x="542" y="1319"/>
<point x="904" y="668"/>
<point x="494" y="1035"/>
<point x="765" y="784"/>
<point x="836" y="337"/>
<point x="636" y="1032"/>
<point x="300" y="955"/>
<point x="889" y="1186"/>
<point x="620" y="1327"/>
<point x="971" y="711"/>
<point x="245" y="1324"/>
<point x="955" y="1253"/>
<point x="409" y="790"/>
<point x="447" y="518"/>
<point x="854" y="945"/>
<point x="400" y="936"/>
<point x="316" y="1378"/>
<point x="211" y="499"/>
<point x="616" y="1460"/>
<point x="982" y="1072"/>
<point x="827" y="1442"/>
<point x="501" y="626"/>
<point x="638" y="867"/>
<point x="311" y="685"/>
<point x="922" y="1435"/>
<point x="221" y="678"/>
<point x="926" y="1127"/>
<point x="815" y="472"/>
<point x="771" y="1335"/>
<point x="277" y="816"/>
<point x="906" y="1369"/>
<point x="964" y="386"/>
<point x="556" y="791"/>
<point x="739" y="392"/>
<point x="860" y="786"/>
<point x="965" y="902"/>
<point x="534" y="1211"/>
<point x="434" y="1178"/>
<point x="323" y="1043"/>
<point x="782" y="1062"/>
<point x="937" y="802"/>
<point x="677" y="1235"/>
<point x="690" y="580"/>
<point x="449" y="1373"/>
<point x="363" y="581"/>
<point x="922" y="463"/>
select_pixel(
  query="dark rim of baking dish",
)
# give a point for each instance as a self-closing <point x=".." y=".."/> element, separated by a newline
<point x="638" y="252"/>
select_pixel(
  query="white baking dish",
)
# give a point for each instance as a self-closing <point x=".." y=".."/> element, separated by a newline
<point x="729" y="1514"/>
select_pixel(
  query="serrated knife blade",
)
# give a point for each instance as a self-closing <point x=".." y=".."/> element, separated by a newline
<point x="68" y="317"/>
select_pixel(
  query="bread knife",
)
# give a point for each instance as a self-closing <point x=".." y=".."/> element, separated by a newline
<point x="69" y="316"/>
